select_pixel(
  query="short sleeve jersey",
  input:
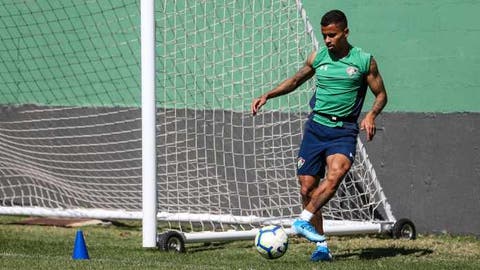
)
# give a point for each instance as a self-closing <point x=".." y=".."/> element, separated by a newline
<point x="341" y="85"/>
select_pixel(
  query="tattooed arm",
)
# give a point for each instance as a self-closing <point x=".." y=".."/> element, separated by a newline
<point x="375" y="82"/>
<point x="287" y="86"/>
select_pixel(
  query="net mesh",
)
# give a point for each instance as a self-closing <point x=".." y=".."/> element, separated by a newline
<point x="70" y="129"/>
<point x="216" y="158"/>
<point x="70" y="122"/>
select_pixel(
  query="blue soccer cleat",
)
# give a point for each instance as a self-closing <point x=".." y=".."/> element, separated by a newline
<point x="306" y="229"/>
<point x="321" y="253"/>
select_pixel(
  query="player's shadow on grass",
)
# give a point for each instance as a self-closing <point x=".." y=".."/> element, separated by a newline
<point x="378" y="253"/>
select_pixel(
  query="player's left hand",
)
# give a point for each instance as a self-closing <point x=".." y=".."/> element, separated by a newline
<point x="368" y="124"/>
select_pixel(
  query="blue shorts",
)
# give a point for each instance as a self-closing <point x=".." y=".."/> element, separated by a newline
<point x="321" y="141"/>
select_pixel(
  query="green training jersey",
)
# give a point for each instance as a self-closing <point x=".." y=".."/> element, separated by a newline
<point x="341" y="85"/>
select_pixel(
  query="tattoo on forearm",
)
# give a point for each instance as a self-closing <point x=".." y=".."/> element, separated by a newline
<point x="378" y="105"/>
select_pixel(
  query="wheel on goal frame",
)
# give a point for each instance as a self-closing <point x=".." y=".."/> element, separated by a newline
<point x="404" y="229"/>
<point x="171" y="241"/>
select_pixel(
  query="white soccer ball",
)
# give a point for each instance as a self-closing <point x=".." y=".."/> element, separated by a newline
<point x="271" y="241"/>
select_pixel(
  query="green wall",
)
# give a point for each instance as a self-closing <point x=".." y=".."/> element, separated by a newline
<point x="79" y="53"/>
<point x="427" y="50"/>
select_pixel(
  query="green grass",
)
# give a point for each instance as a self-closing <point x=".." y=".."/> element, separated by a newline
<point x="119" y="247"/>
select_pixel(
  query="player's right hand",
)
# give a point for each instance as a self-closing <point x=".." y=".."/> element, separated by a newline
<point x="257" y="103"/>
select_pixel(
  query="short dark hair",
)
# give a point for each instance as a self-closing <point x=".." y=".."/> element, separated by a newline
<point x="336" y="17"/>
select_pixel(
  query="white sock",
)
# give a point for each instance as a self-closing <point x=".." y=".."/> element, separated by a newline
<point x="323" y="243"/>
<point x="306" y="215"/>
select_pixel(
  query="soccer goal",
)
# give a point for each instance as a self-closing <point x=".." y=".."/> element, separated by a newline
<point x="223" y="170"/>
<point x="74" y="119"/>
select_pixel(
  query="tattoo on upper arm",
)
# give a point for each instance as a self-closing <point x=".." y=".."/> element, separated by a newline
<point x="375" y="82"/>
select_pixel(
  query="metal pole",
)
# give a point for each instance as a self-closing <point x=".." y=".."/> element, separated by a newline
<point x="149" y="190"/>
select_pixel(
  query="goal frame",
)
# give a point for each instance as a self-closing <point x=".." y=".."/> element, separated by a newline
<point x="331" y="227"/>
<point x="144" y="202"/>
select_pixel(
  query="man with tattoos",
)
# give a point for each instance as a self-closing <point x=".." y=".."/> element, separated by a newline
<point x="343" y="74"/>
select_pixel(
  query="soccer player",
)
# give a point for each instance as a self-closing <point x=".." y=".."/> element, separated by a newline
<point x="343" y="74"/>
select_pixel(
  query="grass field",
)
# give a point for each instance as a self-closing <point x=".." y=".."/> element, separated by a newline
<point x="118" y="246"/>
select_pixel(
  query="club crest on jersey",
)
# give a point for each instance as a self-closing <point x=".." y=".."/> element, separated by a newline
<point x="351" y="71"/>
<point x="300" y="162"/>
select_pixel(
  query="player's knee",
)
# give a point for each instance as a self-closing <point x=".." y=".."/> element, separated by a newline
<point x="338" y="170"/>
<point x="305" y="191"/>
<point x="307" y="184"/>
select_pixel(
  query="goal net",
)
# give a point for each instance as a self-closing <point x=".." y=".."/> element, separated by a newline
<point x="70" y="121"/>
<point x="217" y="163"/>
<point x="70" y="133"/>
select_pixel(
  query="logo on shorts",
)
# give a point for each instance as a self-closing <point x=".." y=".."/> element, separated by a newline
<point x="300" y="162"/>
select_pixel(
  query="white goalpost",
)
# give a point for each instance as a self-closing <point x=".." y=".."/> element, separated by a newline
<point x="149" y="156"/>
<point x="141" y="110"/>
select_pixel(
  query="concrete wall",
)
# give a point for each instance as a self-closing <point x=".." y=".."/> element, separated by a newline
<point x="429" y="167"/>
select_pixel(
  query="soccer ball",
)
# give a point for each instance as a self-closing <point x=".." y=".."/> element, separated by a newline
<point x="271" y="241"/>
